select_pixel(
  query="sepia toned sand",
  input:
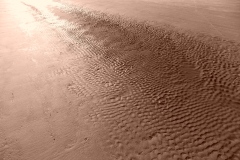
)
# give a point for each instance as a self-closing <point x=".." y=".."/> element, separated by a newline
<point x="212" y="17"/>
<point x="78" y="84"/>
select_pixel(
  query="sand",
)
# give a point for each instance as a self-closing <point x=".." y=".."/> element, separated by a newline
<point x="82" y="84"/>
<point x="216" y="18"/>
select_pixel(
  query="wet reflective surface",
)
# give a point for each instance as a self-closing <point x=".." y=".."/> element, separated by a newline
<point x="216" y="18"/>
<point x="77" y="84"/>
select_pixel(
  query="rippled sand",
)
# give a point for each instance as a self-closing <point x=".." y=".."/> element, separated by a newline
<point x="151" y="92"/>
<point x="161" y="93"/>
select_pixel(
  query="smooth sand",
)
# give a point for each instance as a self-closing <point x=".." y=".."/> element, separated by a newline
<point x="217" y="18"/>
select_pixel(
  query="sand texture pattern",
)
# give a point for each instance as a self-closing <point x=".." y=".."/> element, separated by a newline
<point x="149" y="92"/>
<point x="164" y="94"/>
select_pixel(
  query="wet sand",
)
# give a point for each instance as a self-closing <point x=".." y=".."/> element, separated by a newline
<point x="216" y="18"/>
<point x="87" y="85"/>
